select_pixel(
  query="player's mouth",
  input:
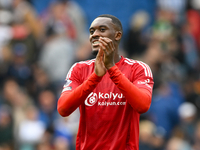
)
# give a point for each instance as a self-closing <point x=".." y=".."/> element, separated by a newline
<point x="95" y="43"/>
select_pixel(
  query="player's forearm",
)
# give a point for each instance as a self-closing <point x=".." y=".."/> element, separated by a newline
<point x="139" y="99"/>
<point x="69" y="101"/>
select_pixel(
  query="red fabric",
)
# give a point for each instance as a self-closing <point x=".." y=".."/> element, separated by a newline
<point x="20" y="32"/>
<point x="69" y="101"/>
<point x="110" y="106"/>
<point x="193" y="18"/>
<point x="141" y="100"/>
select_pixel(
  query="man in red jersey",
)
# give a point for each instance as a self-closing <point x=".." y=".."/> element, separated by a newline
<point x="111" y="92"/>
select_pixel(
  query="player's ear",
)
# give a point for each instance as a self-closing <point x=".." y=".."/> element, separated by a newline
<point x="118" y="35"/>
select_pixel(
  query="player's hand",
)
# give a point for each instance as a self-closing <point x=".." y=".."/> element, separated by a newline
<point x="100" y="69"/>
<point x="108" y="48"/>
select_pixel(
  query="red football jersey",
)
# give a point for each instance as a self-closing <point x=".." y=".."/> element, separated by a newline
<point x="107" y="120"/>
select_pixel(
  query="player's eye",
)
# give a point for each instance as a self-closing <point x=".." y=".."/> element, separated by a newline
<point x="91" y="32"/>
<point x="102" y="29"/>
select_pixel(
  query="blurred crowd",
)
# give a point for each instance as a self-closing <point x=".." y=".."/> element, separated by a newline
<point x="40" y="40"/>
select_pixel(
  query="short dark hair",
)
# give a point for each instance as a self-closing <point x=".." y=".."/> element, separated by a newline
<point x="115" y="20"/>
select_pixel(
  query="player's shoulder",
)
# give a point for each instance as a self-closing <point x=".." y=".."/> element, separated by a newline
<point x="84" y="63"/>
<point x="134" y="62"/>
<point x="138" y="65"/>
<point x="79" y="66"/>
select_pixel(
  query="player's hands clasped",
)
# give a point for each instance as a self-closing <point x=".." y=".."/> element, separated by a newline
<point x="105" y="56"/>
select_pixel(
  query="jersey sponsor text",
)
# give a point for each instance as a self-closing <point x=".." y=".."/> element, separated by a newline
<point x="93" y="97"/>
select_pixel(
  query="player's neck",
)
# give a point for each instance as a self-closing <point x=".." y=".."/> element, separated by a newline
<point x="117" y="58"/>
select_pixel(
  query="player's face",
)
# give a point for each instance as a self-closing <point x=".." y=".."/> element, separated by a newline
<point x="101" y="27"/>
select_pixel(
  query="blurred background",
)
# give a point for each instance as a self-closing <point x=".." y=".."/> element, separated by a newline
<point x="40" y="40"/>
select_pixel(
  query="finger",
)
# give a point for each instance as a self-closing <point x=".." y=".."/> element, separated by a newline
<point x="100" y="53"/>
<point x="107" y="40"/>
<point x="108" y="43"/>
<point x="112" y="45"/>
<point x="102" y="47"/>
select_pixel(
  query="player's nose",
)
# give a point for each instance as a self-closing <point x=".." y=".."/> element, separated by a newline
<point x="96" y="33"/>
<point x="95" y="36"/>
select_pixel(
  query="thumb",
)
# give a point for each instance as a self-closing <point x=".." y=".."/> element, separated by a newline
<point x="100" y="54"/>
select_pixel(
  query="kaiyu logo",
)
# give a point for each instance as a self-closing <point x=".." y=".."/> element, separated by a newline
<point x="93" y="97"/>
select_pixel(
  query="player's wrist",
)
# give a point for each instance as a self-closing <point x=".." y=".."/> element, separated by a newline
<point x="109" y="66"/>
<point x="111" y="69"/>
<point x="95" y="77"/>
